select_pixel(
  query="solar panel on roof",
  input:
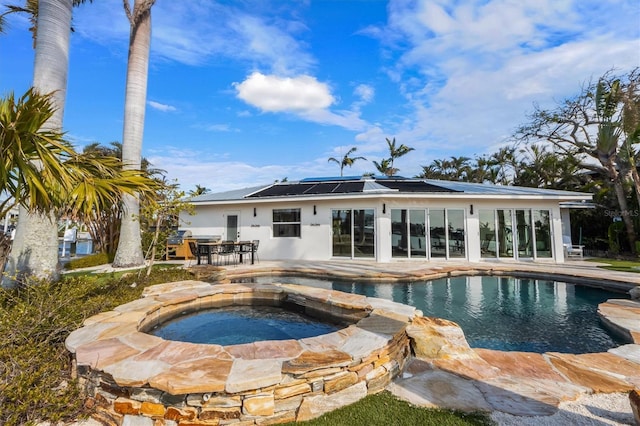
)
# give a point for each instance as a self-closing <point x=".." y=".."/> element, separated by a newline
<point x="309" y="188"/>
<point x="413" y="186"/>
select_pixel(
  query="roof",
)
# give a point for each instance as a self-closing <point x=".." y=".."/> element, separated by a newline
<point x="355" y="185"/>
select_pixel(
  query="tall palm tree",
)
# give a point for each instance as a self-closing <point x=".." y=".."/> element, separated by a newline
<point x="396" y="151"/>
<point x="35" y="245"/>
<point x="129" y="251"/>
<point x="347" y="160"/>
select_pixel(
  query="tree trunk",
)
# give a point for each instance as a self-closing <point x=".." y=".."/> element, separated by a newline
<point x="129" y="251"/>
<point x="626" y="216"/>
<point x="35" y="247"/>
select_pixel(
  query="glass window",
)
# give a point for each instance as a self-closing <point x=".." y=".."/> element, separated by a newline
<point x="505" y="233"/>
<point x="455" y="226"/>
<point x="341" y="221"/>
<point x="437" y="233"/>
<point x="417" y="233"/>
<point x="488" y="246"/>
<point x="286" y="223"/>
<point x="399" y="233"/>
<point x="542" y="225"/>
<point x="524" y="234"/>
<point x="363" y="233"/>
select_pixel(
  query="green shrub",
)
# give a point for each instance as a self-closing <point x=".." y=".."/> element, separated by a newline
<point x="88" y="261"/>
<point x="35" y="380"/>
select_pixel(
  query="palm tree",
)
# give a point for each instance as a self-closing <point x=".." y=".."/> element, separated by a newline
<point x="129" y="251"/>
<point x="35" y="246"/>
<point x="199" y="190"/>
<point x="346" y="160"/>
<point x="385" y="168"/>
<point x="41" y="172"/>
<point x="397" y="152"/>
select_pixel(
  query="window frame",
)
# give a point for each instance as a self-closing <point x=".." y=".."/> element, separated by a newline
<point x="291" y="224"/>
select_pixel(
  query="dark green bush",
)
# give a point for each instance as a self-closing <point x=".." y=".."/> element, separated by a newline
<point x="88" y="261"/>
<point x="35" y="380"/>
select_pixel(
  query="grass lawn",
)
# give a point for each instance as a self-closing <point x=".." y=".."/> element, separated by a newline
<point x="618" y="265"/>
<point x="386" y="409"/>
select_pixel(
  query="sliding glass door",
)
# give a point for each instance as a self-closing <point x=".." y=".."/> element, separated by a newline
<point x="353" y="233"/>
<point x="531" y="238"/>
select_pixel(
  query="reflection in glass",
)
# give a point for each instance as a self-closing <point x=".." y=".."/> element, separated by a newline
<point x="417" y="232"/>
<point x="437" y="233"/>
<point x="505" y="233"/>
<point x="524" y="235"/>
<point x="542" y="224"/>
<point x="488" y="246"/>
<point x="364" y="233"/>
<point x="455" y="227"/>
<point x="399" y="233"/>
<point x="341" y="222"/>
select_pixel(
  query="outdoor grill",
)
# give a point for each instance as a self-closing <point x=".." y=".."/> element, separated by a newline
<point x="178" y="245"/>
<point x="178" y="237"/>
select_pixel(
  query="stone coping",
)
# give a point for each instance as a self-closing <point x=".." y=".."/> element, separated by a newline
<point x="112" y="341"/>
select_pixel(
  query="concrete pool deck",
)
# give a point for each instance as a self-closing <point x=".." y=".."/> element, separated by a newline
<point x="452" y="375"/>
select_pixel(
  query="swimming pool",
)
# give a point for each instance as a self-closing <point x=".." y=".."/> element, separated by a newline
<point x="496" y="312"/>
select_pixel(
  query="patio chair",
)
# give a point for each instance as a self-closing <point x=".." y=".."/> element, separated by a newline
<point x="227" y="250"/>
<point x="193" y="247"/>
<point x="570" y="249"/>
<point x="243" y="249"/>
<point x="256" y="243"/>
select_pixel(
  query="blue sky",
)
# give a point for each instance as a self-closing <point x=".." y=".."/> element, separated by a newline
<point x="246" y="92"/>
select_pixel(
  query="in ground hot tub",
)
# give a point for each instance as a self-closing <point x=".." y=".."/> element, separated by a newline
<point x="129" y="372"/>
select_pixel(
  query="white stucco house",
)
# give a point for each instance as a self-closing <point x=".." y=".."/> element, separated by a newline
<point x="389" y="219"/>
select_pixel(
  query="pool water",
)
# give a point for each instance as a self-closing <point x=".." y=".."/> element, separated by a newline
<point x="241" y="324"/>
<point x="503" y="313"/>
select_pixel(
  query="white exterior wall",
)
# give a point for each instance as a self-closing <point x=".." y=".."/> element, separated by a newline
<point x="315" y="242"/>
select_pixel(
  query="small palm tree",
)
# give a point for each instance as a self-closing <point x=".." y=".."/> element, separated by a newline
<point x="397" y="152"/>
<point x="346" y="160"/>
<point x="199" y="190"/>
<point x="385" y="168"/>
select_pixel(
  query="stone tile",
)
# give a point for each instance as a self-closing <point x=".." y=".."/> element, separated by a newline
<point x="86" y="334"/>
<point x="101" y="353"/>
<point x="362" y="343"/>
<point x="176" y="297"/>
<point x="628" y="352"/>
<point x="172" y="352"/>
<point x="266" y="349"/>
<point x="520" y="364"/>
<point x="404" y="311"/>
<point x="518" y="397"/>
<point x="103" y="316"/>
<point x="612" y="364"/>
<point x="135" y="373"/>
<point x="382" y="325"/>
<point x="174" y="286"/>
<point x="146" y="304"/>
<point x="310" y="360"/>
<point x="197" y="376"/>
<point x="130" y="420"/>
<point x="259" y="405"/>
<point x="582" y="374"/>
<point x="253" y="374"/>
<point x="140" y="341"/>
<point x="314" y="406"/>
<point x="440" y="389"/>
<point x="436" y="338"/>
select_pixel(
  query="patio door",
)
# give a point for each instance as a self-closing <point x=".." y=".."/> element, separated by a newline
<point x="232" y="229"/>
<point x="353" y="233"/>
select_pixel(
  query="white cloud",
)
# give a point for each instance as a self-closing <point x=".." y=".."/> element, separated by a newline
<point x="365" y="92"/>
<point x="271" y="93"/>
<point x="161" y="107"/>
<point x="303" y="96"/>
